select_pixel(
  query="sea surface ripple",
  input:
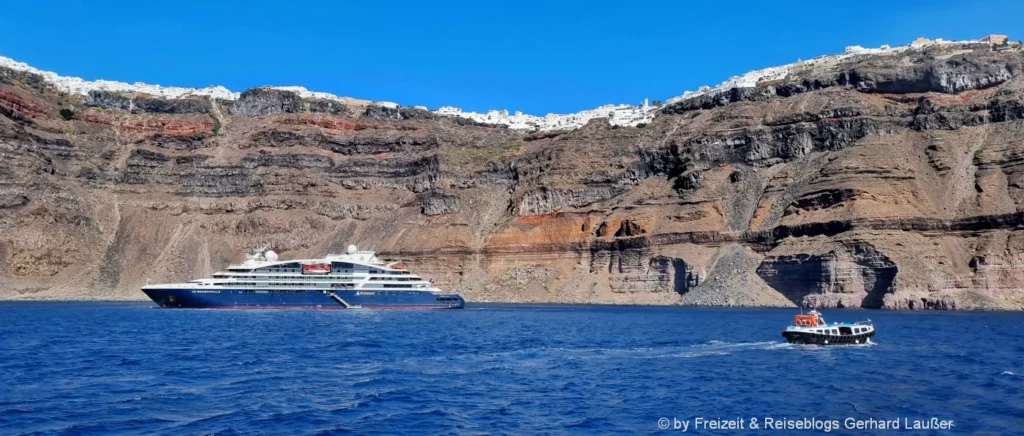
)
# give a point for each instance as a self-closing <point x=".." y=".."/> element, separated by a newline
<point x="129" y="368"/>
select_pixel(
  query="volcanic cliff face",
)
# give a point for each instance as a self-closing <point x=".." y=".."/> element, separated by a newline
<point x="891" y="181"/>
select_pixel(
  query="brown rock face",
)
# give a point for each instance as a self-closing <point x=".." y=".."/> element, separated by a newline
<point x="851" y="275"/>
<point x="14" y="106"/>
<point x="886" y="182"/>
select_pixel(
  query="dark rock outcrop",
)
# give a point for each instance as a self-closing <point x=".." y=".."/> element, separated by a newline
<point x="629" y="228"/>
<point x="11" y="201"/>
<point x="257" y="102"/>
<point x="326" y="107"/>
<point x="384" y="113"/>
<point x="719" y="99"/>
<point x="145" y="104"/>
<point x="687" y="181"/>
<point x="1006" y="109"/>
<point x="345" y="145"/>
<point x="440" y="204"/>
<point x="290" y="160"/>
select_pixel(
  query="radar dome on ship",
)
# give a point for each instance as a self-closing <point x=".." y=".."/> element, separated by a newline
<point x="270" y="255"/>
<point x="352" y="249"/>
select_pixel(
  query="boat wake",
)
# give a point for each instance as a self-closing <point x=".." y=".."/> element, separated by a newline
<point x="710" y="348"/>
<point x="821" y="347"/>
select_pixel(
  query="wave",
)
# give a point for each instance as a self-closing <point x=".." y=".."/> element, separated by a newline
<point x="706" y="349"/>
<point x="517" y="370"/>
<point x="710" y="348"/>
<point x="834" y="346"/>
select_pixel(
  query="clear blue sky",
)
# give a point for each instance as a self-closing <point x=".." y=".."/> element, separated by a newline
<point x="535" y="56"/>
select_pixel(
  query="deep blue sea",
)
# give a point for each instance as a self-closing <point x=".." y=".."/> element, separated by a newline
<point x="129" y="368"/>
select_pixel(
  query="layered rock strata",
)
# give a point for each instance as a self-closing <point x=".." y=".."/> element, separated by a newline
<point x="879" y="182"/>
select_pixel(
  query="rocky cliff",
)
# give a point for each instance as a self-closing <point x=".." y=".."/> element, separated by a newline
<point x="891" y="181"/>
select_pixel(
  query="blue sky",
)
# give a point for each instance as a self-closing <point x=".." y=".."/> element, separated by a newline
<point x="535" y="56"/>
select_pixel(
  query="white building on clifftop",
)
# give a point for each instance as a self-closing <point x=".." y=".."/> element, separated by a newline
<point x="617" y="115"/>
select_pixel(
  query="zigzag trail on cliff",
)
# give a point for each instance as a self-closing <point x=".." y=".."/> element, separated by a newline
<point x="877" y="180"/>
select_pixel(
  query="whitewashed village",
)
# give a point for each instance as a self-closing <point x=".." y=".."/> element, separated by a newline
<point x="627" y="115"/>
<point x="616" y="115"/>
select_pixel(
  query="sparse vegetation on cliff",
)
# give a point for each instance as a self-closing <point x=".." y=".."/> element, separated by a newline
<point x="216" y="125"/>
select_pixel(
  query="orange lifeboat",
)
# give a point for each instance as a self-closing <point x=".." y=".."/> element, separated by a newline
<point x="806" y="320"/>
<point x="316" y="268"/>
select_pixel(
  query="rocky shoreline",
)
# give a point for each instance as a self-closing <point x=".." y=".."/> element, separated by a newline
<point x="716" y="302"/>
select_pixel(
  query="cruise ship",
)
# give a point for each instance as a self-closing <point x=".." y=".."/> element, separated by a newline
<point x="357" y="279"/>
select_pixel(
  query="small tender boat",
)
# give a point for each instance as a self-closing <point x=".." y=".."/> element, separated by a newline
<point x="812" y="329"/>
